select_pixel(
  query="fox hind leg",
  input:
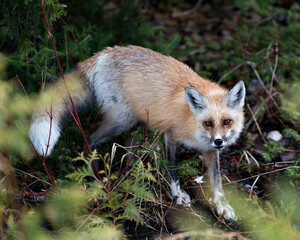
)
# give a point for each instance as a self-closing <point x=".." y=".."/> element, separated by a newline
<point x="112" y="124"/>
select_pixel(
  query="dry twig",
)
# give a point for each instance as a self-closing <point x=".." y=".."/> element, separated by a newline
<point x="256" y="123"/>
<point x="188" y="12"/>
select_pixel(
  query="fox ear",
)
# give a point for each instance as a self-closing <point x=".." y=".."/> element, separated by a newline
<point x="236" y="96"/>
<point x="195" y="99"/>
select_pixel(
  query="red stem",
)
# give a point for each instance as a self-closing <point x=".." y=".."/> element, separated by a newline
<point x="95" y="118"/>
<point x="70" y="54"/>
<point x="49" y="136"/>
<point x="50" y="178"/>
<point x="25" y="183"/>
<point x="58" y="163"/>
<point x="38" y="75"/>
<point x="38" y="176"/>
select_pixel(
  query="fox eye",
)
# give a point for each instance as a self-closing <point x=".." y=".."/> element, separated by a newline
<point x="208" y="123"/>
<point x="227" y="122"/>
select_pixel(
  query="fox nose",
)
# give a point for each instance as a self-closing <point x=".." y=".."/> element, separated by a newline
<point x="218" y="142"/>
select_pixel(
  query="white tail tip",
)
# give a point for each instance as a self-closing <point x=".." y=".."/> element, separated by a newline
<point x="39" y="133"/>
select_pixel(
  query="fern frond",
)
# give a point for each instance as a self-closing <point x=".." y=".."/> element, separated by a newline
<point x="96" y="192"/>
<point x="140" y="172"/>
<point x="95" y="222"/>
<point x="117" y="199"/>
<point x="127" y="185"/>
<point x="132" y="211"/>
<point x="81" y="157"/>
<point x="141" y="192"/>
<point x="80" y="174"/>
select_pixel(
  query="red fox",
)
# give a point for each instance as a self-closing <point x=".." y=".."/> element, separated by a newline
<point x="189" y="109"/>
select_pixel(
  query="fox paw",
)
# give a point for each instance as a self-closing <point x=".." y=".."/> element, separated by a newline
<point x="181" y="196"/>
<point x="222" y="206"/>
<point x="225" y="210"/>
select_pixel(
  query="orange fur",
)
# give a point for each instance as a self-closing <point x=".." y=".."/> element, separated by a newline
<point x="156" y="82"/>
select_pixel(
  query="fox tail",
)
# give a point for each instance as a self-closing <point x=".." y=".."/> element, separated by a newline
<point x="54" y="106"/>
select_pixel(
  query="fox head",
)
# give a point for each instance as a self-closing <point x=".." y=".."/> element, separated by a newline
<point x="219" y="115"/>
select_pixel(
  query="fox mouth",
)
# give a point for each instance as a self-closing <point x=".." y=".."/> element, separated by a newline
<point x="218" y="147"/>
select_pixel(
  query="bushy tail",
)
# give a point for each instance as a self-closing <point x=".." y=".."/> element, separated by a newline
<point x="53" y="108"/>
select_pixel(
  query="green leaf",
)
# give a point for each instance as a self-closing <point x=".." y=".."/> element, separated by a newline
<point x="141" y="192"/>
<point x="96" y="192"/>
<point x="132" y="211"/>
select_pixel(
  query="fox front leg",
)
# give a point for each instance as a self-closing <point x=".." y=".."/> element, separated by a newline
<point x="181" y="197"/>
<point x="211" y="159"/>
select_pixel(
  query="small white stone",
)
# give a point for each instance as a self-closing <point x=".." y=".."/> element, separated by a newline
<point x="275" y="136"/>
<point x="199" y="179"/>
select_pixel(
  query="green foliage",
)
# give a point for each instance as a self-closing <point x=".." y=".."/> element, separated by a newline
<point x="259" y="6"/>
<point x="272" y="148"/>
<point x="115" y="193"/>
<point x="92" y="211"/>
<point x="292" y="134"/>
<point x="188" y="168"/>
<point x="290" y="102"/>
<point x="66" y="217"/>
<point x="278" y="219"/>
<point x="276" y="223"/>
<point x="24" y="34"/>
<point x="20" y="21"/>
<point x="14" y="107"/>
<point x="81" y="173"/>
<point x="100" y="24"/>
<point x="293" y="173"/>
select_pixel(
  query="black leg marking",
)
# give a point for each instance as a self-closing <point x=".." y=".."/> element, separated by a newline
<point x="182" y="198"/>
<point x="171" y="155"/>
